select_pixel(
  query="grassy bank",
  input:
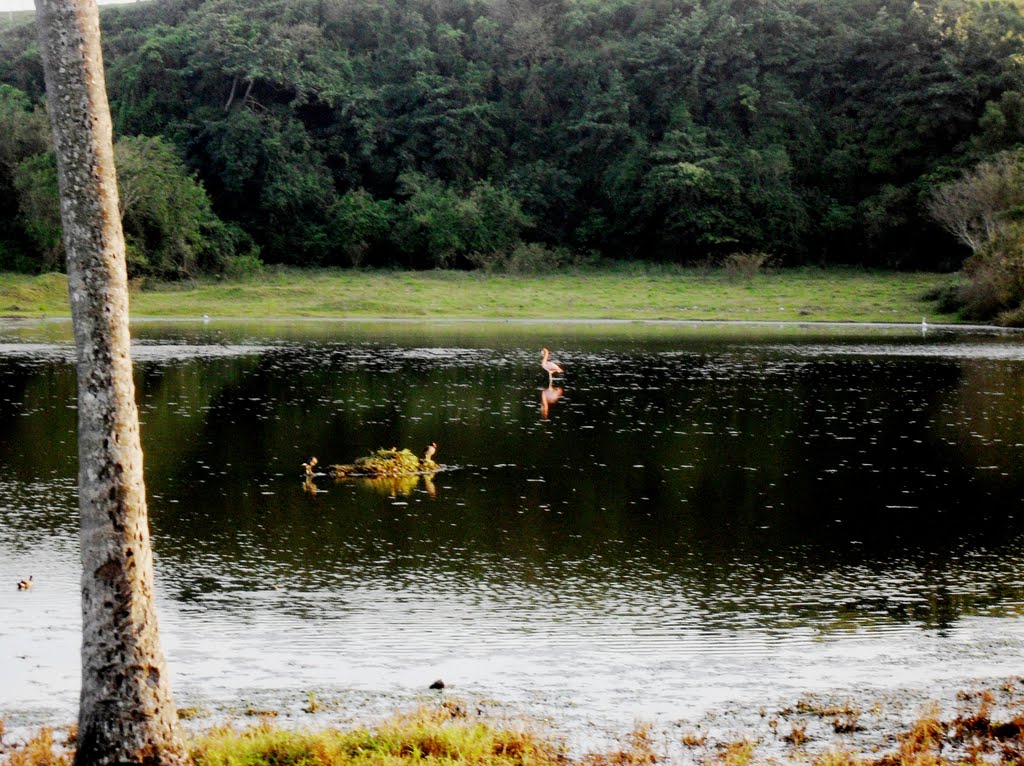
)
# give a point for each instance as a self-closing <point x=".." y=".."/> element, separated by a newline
<point x="642" y="292"/>
<point x="988" y="729"/>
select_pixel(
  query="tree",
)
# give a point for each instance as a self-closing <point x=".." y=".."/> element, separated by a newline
<point x="24" y="135"/>
<point x="169" y="225"/>
<point x="35" y="180"/>
<point x="126" y="712"/>
<point x="979" y="207"/>
<point x="359" y="224"/>
<point x="166" y="215"/>
<point x="984" y="210"/>
<point x="665" y="129"/>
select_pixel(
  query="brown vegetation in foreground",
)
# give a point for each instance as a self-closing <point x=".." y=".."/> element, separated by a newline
<point x="451" y="734"/>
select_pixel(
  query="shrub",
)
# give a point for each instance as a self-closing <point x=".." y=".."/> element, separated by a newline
<point x="994" y="278"/>
<point x="745" y="266"/>
<point x="443" y="225"/>
<point x="246" y="266"/>
<point x="525" y="258"/>
<point x="946" y="297"/>
<point x="359" y="224"/>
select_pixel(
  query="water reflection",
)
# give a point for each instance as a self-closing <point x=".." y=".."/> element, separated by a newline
<point x="391" y="486"/>
<point x="548" y="397"/>
<point x="711" y="513"/>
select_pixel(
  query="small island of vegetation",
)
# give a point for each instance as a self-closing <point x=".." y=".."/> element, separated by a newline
<point x="391" y="462"/>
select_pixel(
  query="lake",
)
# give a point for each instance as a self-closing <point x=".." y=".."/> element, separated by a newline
<point x="694" y="522"/>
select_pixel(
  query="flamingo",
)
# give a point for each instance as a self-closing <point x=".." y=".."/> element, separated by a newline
<point x="550" y="366"/>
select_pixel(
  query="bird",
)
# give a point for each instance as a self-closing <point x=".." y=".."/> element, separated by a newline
<point x="438" y="684"/>
<point x="429" y="453"/>
<point x="924" y="325"/>
<point x="550" y="366"/>
<point x="308" y="467"/>
<point x="25" y="584"/>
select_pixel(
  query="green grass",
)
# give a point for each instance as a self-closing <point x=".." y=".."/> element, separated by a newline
<point x="617" y="292"/>
<point x="441" y="735"/>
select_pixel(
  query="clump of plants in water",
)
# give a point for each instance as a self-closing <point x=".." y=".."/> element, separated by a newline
<point x="386" y="462"/>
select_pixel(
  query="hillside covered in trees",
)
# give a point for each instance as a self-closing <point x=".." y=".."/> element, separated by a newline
<point x="424" y="133"/>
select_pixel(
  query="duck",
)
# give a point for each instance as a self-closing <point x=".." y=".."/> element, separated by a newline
<point x="25" y="584"/>
<point x="308" y="467"/>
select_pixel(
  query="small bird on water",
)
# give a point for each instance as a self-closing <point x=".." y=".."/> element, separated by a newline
<point x="25" y="584"/>
<point x="549" y="366"/>
<point x="438" y="684"/>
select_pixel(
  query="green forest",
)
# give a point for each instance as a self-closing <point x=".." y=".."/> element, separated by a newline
<point x="528" y="134"/>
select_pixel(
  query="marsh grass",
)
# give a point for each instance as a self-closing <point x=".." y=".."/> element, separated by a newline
<point x="638" y="749"/>
<point x="40" y="750"/>
<point x="987" y="730"/>
<point x="615" y="291"/>
<point x="428" y="735"/>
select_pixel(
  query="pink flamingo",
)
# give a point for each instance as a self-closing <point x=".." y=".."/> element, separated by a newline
<point x="550" y="366"/>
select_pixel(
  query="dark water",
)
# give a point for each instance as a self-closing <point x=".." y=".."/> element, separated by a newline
<point x="706" y="518"/>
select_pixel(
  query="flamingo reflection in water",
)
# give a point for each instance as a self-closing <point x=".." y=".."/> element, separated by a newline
<point x="549" y="396"/>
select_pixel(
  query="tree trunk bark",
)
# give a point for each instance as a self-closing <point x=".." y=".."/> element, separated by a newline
<point x="231" y="96"/>
<point x="126" y="713"/>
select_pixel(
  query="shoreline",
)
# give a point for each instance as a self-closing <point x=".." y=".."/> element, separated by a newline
<point x="861" y="730"/>
<point x="556" y="320"/>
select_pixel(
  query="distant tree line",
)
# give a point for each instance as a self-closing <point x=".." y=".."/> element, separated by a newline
<point x="526" y="133"/>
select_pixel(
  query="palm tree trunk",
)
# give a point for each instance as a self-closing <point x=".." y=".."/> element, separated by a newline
<point x="126" y="713"/>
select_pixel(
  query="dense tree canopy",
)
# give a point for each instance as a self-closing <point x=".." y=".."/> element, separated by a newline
<point x="432" y="132"/>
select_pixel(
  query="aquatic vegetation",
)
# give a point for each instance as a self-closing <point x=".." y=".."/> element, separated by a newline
<point x="987" y="731"/>
<point x="40" y="750"/>
<point x="387" y="462"/>
<point x="435" y="734"/>
<point x="638" y="750"/>
<point x="797" y="734"/>
<point x="313" y="705"/>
